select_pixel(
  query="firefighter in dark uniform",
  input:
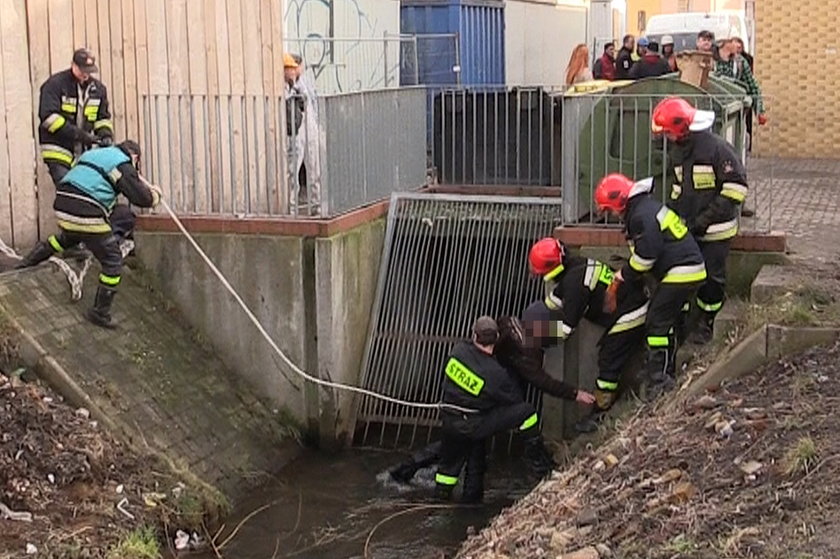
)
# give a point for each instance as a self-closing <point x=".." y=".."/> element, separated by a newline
<point x="74" y="114"/>
<point x="520" y="350"/>
<point x="660" y="245"/>
<point x="84" y="199"/>
<point x="476" y="381"/>
<point x="578" y="288"/>
<point x="709" y="186"/>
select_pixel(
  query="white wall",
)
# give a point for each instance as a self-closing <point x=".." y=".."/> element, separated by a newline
<point x="359" y="57"/>
<point x="539" y="38"/>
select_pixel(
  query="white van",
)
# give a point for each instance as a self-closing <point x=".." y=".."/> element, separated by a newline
<point x="684" y="27"/>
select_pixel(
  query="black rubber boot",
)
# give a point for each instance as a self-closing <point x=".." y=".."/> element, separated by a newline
<point x="425" y="457"/>
<point x="474" y="475"/>
<point x="658" y="381"/>
<point x="538" y="457"/>
<point x="38" y="254"/>
<point x="100" y="314"/>
<point x="704" y="331"/>
<point x="443" y="492"/>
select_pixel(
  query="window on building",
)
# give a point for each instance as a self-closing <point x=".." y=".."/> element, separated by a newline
<point x="683" y="5"/>
<point x="642" y="20"/>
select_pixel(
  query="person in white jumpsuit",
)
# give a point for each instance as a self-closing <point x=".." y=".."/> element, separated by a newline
<point x="307" y="144"/>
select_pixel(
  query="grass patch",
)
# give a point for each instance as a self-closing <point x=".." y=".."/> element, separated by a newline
<point x="801" y="457"/>
<point x="680" y="544"/>
<point x="141" y="543"/>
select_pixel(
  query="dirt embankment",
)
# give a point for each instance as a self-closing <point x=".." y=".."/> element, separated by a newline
<point x="749" y="470"/>
<point x="70" y="490"/>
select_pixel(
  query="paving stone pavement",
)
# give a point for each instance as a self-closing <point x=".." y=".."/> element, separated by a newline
<point x="803" y="199"/>
<point x="154" y="375"/>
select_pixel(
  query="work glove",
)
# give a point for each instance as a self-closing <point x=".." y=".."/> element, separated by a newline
<point x="762" y="119"/>
<point x="157" y="194"/>
<point x="611" y="296"/>
<point x="86" y="138"/>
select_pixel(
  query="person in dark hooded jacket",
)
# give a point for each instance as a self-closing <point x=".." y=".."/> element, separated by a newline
<point x="651" y="65"/>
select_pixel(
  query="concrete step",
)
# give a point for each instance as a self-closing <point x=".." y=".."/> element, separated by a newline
<point x="153" y="381"/>
<point x="725" y="322"/>
<point x="771" y="282"/>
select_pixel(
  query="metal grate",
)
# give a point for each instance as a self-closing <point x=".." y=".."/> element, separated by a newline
<point x="447" y="259"/>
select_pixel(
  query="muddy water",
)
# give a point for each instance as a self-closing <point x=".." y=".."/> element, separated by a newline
<point x="326" y="506"/>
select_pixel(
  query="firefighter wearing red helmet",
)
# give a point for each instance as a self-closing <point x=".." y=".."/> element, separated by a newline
<point x="576" y="288"/>
<point x="709" y="185"/>
<point x="660" y="245"/>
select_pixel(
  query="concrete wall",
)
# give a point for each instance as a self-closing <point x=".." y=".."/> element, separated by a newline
<point x="313" y="295"/>
<point x="268" y="273"/>
<point x="346" y="274"/>
<point x="539" y="38"/>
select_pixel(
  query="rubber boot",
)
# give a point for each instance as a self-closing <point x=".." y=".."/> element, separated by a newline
<point x="443" y="492"/>
<point x="604" y="399"/>
<point x="425" y="457"/>
<point x="658" y="381"/>
<point x="538" y="457"/>
<point x="38" y="254"/>
<point x="704" y="331"/>
<point x="100" y="314"/>
<point x="474" y="475"/>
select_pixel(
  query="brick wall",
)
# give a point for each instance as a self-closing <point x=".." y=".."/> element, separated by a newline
<point x="796" y="64"/>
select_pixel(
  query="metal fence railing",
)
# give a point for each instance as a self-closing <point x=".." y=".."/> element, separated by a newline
<point x="223" y="154"/>
<point x="543" y="137"/>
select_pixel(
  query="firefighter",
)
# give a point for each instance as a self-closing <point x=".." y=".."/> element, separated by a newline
<point x="74" y="114"/>
<point x="709" y="186"/>
<point x="520" y="350"/>
<point x="660" y="245"/>
<point x="476" y="381"/>
<point x="577" y="288"/>
<point x="85" y="198"/>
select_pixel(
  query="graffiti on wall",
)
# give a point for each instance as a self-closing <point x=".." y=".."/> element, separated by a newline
<point x="343" y="42"/>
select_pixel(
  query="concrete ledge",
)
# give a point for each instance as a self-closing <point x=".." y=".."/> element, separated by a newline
<point x="769" y="343"/>
<point x="772" y="282"/>
<point x="275" y="225"/>
<point x="600" y="236"/>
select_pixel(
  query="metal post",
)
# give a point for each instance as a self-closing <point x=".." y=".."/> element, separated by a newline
<point x="385" y="55"/>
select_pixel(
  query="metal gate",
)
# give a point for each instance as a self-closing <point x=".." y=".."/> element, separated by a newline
<point x="447" y="260"/>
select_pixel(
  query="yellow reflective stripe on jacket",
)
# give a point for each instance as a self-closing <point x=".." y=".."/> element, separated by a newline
<point x="53" y="240"/>
<point x="463" y="377"/>
<point x="553" y="302"/>
<point x="104" y="123"/>
<point x="82" y="228"/>
<point x="109" y="280"/>
<point x="54" y="122"/>
<point x="685" y="274"/>
<point x="559" y="329"/>
<point x="530" y="422"/>
<point x="56" y="153"/>
<point x="704" y="177"/>
<point x="734" y="191"/>
<point x="91" y="112"/>
<point x="553" y="273"/>
<point x="444" y="479"/>
<point x="641" y="264"/>
<point x="68" y="108"/>
<point x="676" y="191"/>
<point x="657" y="341"/>
<point x="720" y="231"/>
<point x="630" y="320"/>
<point x="670" y="221"/>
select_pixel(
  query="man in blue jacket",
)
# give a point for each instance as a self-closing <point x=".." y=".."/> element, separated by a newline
<point x="84" y="206"/>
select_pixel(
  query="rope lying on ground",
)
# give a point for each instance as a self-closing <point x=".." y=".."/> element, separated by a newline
<point x="288" y="362"/>
<point x="75" y="280"/>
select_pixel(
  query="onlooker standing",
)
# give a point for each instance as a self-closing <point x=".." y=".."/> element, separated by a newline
<point x="309" y="140"/>
<point x="668" y="52"/>
<point x="706" y="41"/>
<point x="651" y="65"/>
<point x="605" y="66"/>
<point x="303" y="138"/>
<point x="624" y="60"/>
<point x="739" y="48"/>
<point x="578" y="70"/>
<point x="74" y="114"/>
<point x="732" y="65"/>
<point x="641" y="48"/>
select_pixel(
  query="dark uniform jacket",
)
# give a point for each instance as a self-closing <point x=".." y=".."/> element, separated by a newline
<point x="623" y="64"/>
<point x="87" y="193"/>
<point x="650" y="66"/>
<point x="660" y="242"/>
<point x="476" y="380"/>
<point x="525" y="360"/>
<point x="709" y="184"/>
<point x="68" y="111"/>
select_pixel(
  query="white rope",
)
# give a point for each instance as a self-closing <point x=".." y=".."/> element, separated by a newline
<point x="75" y="280"/>
<point x="297" y="370"/>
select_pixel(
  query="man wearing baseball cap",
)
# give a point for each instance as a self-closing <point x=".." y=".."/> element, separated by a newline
<point x="74" y="114"/>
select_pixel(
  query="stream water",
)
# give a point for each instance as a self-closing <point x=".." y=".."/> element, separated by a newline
<point x="325" y="506"/>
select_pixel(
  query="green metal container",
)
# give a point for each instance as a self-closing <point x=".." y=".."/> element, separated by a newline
<point x="608" y="131"/>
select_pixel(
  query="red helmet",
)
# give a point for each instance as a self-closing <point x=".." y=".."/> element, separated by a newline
<point x="673" y="118"/>
<point x="612" y="193"/>
<point x="546" y="255"/>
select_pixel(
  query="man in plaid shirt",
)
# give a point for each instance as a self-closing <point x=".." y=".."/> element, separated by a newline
<point x="732" y="65"/>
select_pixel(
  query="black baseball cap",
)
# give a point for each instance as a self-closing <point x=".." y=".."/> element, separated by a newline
<point x="85" y="60"/>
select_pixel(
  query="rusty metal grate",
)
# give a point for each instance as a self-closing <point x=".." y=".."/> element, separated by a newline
<point x="447" y="259"/>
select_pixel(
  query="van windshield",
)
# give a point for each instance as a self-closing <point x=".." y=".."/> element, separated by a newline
<point x="682" y="41"/>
